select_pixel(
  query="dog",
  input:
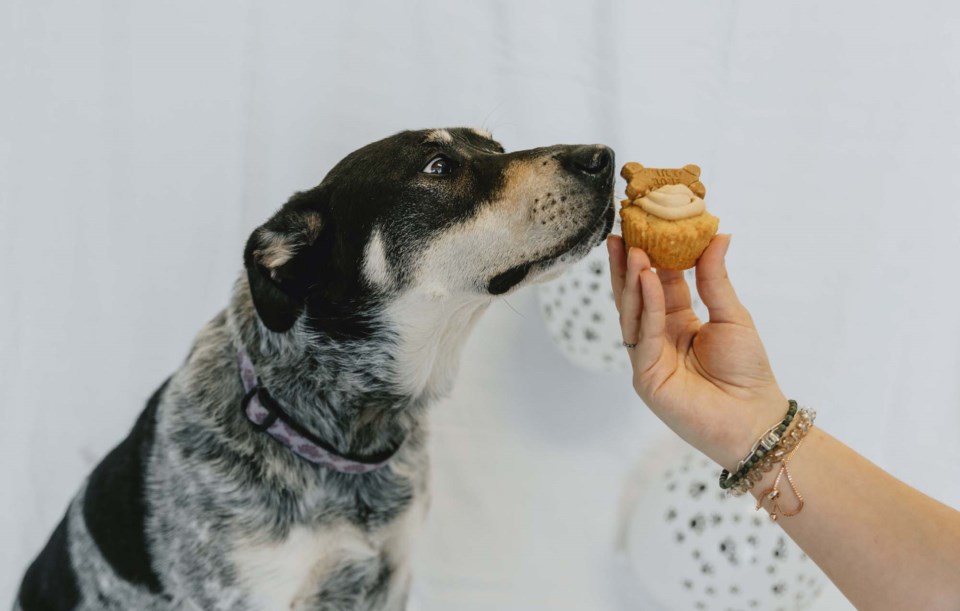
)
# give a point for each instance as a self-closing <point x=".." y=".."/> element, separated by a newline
<point x="284" y="465"/>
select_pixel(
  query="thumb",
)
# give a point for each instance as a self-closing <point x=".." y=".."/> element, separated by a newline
<point x="714" y="287"/>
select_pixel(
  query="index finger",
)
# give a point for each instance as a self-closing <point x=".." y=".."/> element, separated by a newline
<point x="618" y="267"/>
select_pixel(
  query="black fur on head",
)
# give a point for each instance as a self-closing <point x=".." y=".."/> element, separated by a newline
<point x="278" y="256"/>
<point x="389" y="214"/>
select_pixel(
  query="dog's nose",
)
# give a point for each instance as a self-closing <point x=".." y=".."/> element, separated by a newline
<point x="596" y="160"/>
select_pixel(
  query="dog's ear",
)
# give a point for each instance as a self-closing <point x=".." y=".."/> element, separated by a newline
<point x="281" y="258"/>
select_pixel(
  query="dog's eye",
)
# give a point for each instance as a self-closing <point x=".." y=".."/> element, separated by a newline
<point x="438" y="165"/>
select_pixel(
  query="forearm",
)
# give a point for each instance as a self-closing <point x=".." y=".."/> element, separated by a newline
<point x="884" y="544"/>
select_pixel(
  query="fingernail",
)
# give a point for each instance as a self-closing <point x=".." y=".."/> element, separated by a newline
<point x="726" y="246"/>
<point x="637" y="260"/>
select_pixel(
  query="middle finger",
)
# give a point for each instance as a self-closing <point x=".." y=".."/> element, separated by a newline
<point x="676" y="293"/>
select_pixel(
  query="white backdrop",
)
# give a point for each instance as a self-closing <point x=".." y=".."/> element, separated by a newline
<point x="141" y="142"/>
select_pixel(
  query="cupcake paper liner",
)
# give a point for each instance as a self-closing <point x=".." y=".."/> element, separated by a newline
<point x="674" y="245"/>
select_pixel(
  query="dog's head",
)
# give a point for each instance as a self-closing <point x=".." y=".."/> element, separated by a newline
<point x="446" y="209"/>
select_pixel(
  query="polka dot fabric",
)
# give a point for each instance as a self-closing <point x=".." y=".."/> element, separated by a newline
<point x="687" y="545"/>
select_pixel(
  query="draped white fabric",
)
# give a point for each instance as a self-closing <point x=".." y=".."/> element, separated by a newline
<point x="141" y="142"/>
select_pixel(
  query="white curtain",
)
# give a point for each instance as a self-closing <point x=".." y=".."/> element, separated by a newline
<point x="141" y="142"/>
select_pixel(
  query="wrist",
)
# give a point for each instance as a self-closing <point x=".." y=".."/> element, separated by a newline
<point x="753" y="422"/>
<point x="778" y="449"/>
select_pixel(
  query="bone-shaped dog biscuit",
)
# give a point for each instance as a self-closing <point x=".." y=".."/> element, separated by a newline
<point x="641" y="180"/>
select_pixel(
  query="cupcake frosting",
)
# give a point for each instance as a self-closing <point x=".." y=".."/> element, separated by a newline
<point x="672" y="203"/>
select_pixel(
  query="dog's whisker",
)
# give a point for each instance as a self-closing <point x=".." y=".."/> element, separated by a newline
<point x="509" y="305"/>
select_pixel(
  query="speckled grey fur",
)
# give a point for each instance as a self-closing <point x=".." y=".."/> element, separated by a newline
<point x="232" y="520"/>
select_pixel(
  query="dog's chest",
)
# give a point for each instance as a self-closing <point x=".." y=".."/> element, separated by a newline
<point x="337" y="566"/>
<point x="286" y="574"/>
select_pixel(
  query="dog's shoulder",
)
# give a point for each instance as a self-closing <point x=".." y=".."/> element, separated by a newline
<point x="114" y="507"/>
<point x="50" y="583"/>
<point x="113" y="510"/>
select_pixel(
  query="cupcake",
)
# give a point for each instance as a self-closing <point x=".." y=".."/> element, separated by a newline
<point x="665" y="215"/>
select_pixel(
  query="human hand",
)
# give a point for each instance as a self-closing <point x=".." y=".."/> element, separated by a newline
<point x="709" y="382"/>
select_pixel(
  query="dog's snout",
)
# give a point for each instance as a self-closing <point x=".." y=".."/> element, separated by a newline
<point x="596" y="160"/>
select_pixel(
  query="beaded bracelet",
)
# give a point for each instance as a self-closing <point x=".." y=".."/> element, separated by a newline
<point x="767" y="442"/>
<point x="788" y="443"/>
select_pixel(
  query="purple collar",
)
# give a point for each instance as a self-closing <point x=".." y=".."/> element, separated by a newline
<point x="266" y="415"/>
